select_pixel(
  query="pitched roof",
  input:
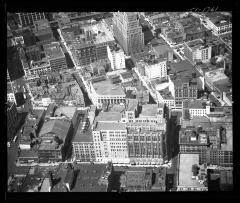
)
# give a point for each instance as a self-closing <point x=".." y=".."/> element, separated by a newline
<point x="59" y="127"/>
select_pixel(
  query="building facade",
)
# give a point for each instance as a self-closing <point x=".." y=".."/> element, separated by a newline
<point x="184" y="91"/>
<point x="156" y="69"/>
<point x="55" y="56"/>
<point x="84" y="151"/>
<point x="196" y="50"/>
<point x="128" y="32"/>
<point x="145" y="145"/>
<point x="40" y="67"/>
<point x="27" y="19"/>
<point x="12" y="118"/>
<point x="117" y="58"/>
<point x="104" y="92"/>
<point x="218" y="25"/>
<point x="110" y="142"/>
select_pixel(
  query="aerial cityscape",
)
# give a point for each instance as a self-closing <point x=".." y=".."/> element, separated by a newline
<point x="119" y="102"/>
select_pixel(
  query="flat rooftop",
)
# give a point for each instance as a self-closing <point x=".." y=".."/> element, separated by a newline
<point x="110" y="126"/>
<point x="116" y="108"/>
<point x="185" y="169"/>
<point x="59" y="127"/>
<point x="195" y="44"/>
<point x="166" y="94"/>
<point x="216" y="75"/>
<point x="149" y="110"/>
<point x="68" y="111"/>
<point x="28" y="154"/>
<point x="161" y="49"/>
<point x="131" y="104"/>
<point x="103" y="34"/>
<point x="53" y="50"/>
<point x="88" y="177"/>
<point x="109" y="116"/>
<point x="106" y="87"/>
<point x="218" y="19"/>
<point x="182" y="66"/>
<point x="83" y="136"/>
<point x="196" y="104"/>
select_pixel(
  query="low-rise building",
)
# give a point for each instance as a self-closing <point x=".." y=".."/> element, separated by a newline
<point x="141" y="179"/>
<point x="43" y="32"/>
<point x="192" y="177"/>
<point x="197" y="107"/>
<point x="220" y="180"/>
<point x="218" y="22"/>
<point x="83" y="145"/>
<point x="32" y="126"/>
<point x="55" y="137"/>
<point x="91" y="178"/>
<point x="39" y="67"/>
<point x="211" y="140"/>
<point x="104" y="91"/>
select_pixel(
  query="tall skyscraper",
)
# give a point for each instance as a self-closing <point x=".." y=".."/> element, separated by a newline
<point x="128" y="32"/>
<point x="26" y="19"/>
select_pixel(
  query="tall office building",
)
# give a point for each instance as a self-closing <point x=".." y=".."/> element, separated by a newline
<point x="27" y="19"/>
<point x="128" y="32"/>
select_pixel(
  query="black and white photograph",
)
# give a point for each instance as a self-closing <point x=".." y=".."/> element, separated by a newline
<point x="118" y="102"/>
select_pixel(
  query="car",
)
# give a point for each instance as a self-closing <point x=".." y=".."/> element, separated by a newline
<point x="8" y="144"/>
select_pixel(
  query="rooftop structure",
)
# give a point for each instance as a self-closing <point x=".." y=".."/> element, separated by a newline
<point x="135" y="177"/>
<point x="85" y="35"/>
<point x="53" y="50"/>
<point x="218" y="19"/>
<point x="106" y="87"/>
<point x="116" y="108"/>
<point x="191" y="136"/>
<point x="131" y="104"/>
<point x="83" y="135"/>
<point x="195" y="104"/>
<point x="185" y="170"/>
<point x="159" y="184"/>
<point x="216" y="75"/>
<point x="109" y="126"/>
<point x="52" y="129"/>
<point x="149" y="110"/>
<point x="88" y="179"/>
<point x="68" y="111"/>
<point x="196" y="44"/>
<point x="109" y="116"/>
<point x="166" y="94"/>
<point x="182" y="67"/>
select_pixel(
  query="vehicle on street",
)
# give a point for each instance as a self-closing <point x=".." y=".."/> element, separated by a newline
<point x="8" y="144"/>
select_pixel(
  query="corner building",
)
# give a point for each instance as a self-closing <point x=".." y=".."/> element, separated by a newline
<point x="128" y="32"/>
